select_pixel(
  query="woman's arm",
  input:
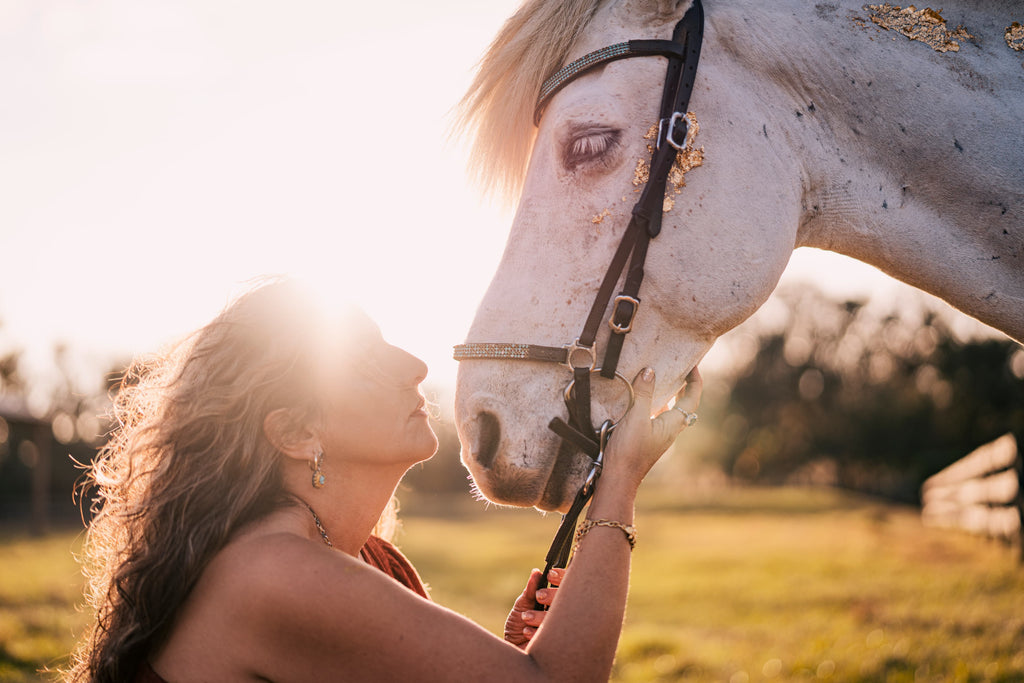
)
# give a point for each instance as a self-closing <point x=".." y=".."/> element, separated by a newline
<point x="304" y="612"/>
<point x="585" y="622"/>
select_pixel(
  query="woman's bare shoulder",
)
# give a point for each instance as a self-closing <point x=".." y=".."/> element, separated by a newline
<point x="256" y="588"/>
<point x="278" y="564"/>
<point x="278" y="605"/>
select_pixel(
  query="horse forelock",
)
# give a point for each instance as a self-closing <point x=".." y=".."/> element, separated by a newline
<point x="497" y="111"/>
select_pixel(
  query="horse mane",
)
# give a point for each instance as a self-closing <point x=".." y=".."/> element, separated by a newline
<point x="496" y="113"/>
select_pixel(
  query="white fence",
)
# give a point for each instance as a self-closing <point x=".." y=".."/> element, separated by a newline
<point x="980" y="493"/>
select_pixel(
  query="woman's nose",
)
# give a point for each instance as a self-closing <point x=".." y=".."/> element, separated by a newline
<point x="412" y="368"/>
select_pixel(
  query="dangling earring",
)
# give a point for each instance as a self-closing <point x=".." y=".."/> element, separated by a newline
<point x="318" y="476"/>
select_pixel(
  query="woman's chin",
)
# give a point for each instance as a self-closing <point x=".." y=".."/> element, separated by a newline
<point x="427" y="448"/>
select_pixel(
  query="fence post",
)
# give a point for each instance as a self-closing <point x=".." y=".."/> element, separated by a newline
<point x="1019" y="466"/>
<point x="41" y="479"/>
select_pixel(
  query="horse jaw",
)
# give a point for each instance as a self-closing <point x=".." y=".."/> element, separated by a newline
<point x="715" y="262"/>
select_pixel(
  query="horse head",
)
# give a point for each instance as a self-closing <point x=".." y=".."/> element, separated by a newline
<point x="772" y="180"/>
<point x="714" y="262"/>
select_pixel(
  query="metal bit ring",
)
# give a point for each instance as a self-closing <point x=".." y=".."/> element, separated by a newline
<point x="629" y="386"/>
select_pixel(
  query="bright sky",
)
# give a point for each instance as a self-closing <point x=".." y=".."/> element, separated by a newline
<point x="156" y="154"/>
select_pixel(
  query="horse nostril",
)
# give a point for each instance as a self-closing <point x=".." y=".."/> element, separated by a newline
<point x="488" y="437"/>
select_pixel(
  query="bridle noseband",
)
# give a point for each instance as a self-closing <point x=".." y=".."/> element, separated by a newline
<point x="580" y="356"/>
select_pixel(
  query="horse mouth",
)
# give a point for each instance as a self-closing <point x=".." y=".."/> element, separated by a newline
<point x="557" y="494"/>
<point x="497" y="477"/>
<point x="498" y="450"/>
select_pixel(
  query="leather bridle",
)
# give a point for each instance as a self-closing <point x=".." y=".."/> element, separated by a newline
<point x="580" y="356"/>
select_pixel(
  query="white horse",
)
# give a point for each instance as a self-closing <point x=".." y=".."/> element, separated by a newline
<point x="819" y="127"/>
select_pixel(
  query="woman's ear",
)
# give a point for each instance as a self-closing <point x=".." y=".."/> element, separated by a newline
<point x="290" y="435"/>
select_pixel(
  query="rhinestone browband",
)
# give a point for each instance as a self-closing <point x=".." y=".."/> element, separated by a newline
<point x="630" y="48"/>
<point x="587" y="61"/>
<point x="499" y="351"/>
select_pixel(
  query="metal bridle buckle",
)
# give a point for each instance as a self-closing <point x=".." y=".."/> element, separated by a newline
<point x="571" y="349"/>
<point x="676" y="116"/>
<point x="623" y="329"/>
<point x="597" y="466"/>
<point x="632" y="395"/>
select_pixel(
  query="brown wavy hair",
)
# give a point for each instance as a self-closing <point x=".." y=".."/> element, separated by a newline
<point x="188" y="465"/>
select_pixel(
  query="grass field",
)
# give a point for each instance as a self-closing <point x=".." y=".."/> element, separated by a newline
<point x="748" y="585"/>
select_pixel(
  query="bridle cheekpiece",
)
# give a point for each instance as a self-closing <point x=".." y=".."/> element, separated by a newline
<point x="580" y="355"/>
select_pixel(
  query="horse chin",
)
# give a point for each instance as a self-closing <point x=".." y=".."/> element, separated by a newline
<point x="517" y="487"/>
<point x="501" y="480"/>
<point x="567" y="476"/>
<point x="505" y="485"/>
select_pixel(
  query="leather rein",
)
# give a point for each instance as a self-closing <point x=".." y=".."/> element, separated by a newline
<point x="580" y="356"/>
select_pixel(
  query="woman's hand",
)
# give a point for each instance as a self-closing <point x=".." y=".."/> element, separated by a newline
<point x="523" y="621"/>
<point x="637" y="443"/>
<point x="639" y="439"/>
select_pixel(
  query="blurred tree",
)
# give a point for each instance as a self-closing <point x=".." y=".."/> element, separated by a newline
<point x="888" y="399"/>
<point x="55" y="422"/>
<point x="11" y="381"/>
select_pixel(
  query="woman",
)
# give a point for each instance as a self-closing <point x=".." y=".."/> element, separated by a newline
<point x="243" y="494"/>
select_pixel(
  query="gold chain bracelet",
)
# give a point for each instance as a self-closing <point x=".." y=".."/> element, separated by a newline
<point x="586" y="525"/>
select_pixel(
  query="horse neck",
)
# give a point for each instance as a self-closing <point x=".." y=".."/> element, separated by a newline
<point x="910" y="159"/>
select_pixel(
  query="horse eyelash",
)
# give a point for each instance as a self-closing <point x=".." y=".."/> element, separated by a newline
<point x="591" y="146"/>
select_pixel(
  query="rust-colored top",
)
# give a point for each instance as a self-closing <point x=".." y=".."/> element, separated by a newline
<point x="377" y="553"/>
<point x="380" y="554"/>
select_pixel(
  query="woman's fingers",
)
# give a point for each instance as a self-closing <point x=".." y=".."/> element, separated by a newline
<point x="688" y="397"/>
<point x="669" y="423"/>
<point x="555" y="576"/>
<point x="546" y="596"/>
<point x="643" y="390"/>
<point x="532" y="619"/>
<point x="530" y="627"/>
<point x="517" y="630"/>
<point x="523" y="621"/>
<point x="527" y="597"/>
<point x="633" y="425"/>
<point x="639" y="440"/>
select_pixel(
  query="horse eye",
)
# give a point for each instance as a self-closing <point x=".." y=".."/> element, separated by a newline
<point x="590" y="146"/>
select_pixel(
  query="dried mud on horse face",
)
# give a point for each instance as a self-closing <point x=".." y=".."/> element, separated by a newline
<point x="1014" y="36"/>
<point x="925" y="25"/>
<point x="687" y="159"/>
<point x="929" y="27"/>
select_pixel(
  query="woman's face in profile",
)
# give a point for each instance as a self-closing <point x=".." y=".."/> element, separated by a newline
<point x="373" y="409"/>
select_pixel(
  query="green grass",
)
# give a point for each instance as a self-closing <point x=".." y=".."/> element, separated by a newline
<point x="747" y="585"/>
<point x="40" y="589"/>
<point x="751" y="585"/>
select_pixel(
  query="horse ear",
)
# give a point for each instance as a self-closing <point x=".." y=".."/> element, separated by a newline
<point x="673" y="9"/>
<point x="655" y="11"/>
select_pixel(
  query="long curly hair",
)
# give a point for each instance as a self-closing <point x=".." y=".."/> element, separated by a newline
<point x="188" y="465"/>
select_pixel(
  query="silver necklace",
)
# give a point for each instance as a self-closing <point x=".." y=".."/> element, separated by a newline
<point x="319" y="525"/>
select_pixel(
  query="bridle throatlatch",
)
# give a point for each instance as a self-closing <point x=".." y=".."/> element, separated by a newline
<point x="580" y="356"/>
